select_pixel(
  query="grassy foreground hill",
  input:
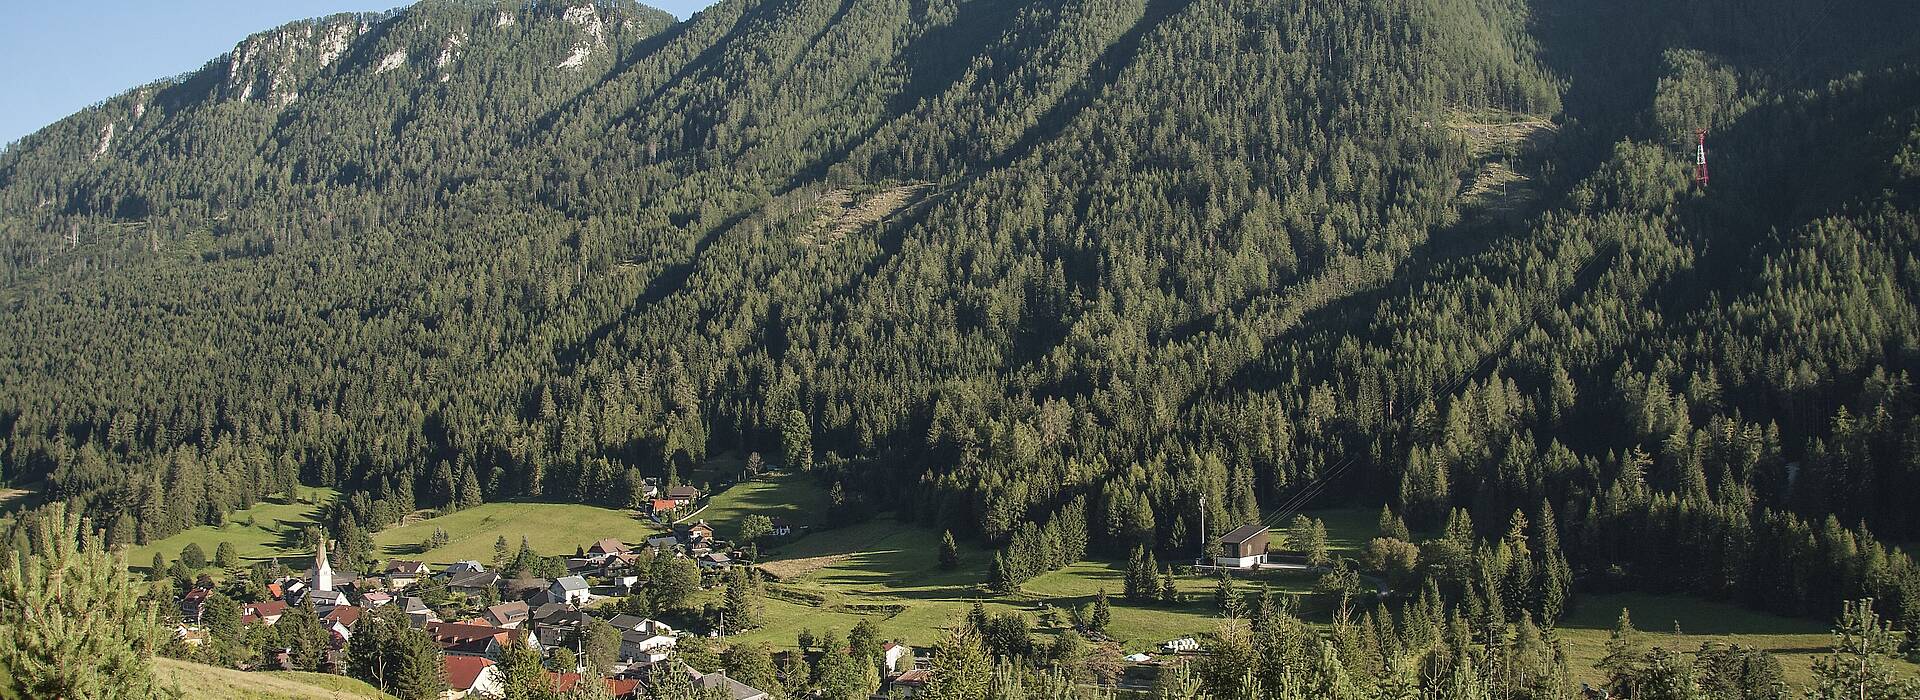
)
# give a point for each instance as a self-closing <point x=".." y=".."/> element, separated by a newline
<point x="215" y="683"/>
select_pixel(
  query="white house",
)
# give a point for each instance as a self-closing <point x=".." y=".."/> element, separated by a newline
<point x="895" y="654"/>
<point x="571" y="589"/>
<point x="645" y="646"/>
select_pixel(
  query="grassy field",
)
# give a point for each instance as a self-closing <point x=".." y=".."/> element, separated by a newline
<point x="794" y="497"/>
<point x="1796" y="642"/>
<point x="550" y="528"/>
<point x="202" y="681"/>
<point x="263" y="531"/>
<point x="889" y="572"/>
<point x="883" y="570"/>
<point x="21" y="497"/>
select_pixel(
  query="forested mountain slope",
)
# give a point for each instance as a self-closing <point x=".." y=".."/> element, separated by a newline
<point x="989" y="262"/>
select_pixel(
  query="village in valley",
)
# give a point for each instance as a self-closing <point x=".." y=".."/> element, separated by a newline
<point x="634" y="612"/>
<point x="769" y="584"/>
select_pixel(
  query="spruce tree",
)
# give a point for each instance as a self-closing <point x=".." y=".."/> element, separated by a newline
<point x="999" y="576"/>
<point x="1136" y="582"/>
<point x="961" y="668"/>
<point x="1225" y="597"/>
<point x="417" y="672"/>
<point x="949" y="551"/>
<point x="521" y="676"/>
<point x="468" y="495"/>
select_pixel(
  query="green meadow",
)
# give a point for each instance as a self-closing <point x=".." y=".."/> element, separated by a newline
<point x="269" y="529"/>
<point x="550" y="528"/>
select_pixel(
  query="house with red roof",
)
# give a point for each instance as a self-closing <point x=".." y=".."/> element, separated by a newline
<point x="265" y="613"/>
<point x="471" y="676"/>
<point x="464" y="639"/>
<point x="621" y="688"/>
<point x="339" y="622"/>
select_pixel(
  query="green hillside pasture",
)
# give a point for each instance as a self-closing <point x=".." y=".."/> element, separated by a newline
<point x="1348" y="529"/>
<point x="793" y="497"/>
<point x="553" y="529"/>
<point x="889" y="572"/>
<point x="264" y="531"/>
<point x="1796" y="642"/>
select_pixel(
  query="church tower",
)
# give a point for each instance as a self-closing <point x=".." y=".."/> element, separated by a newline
<point x="322" y="574"/>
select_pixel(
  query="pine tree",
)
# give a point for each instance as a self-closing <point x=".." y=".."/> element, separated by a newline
<point x="961" y="669"/>
<point x="796" y="440"/>
<point x="977" y="617"/>
<point x="949" y="552"/>
<point x="1667" y="676"/>
<point x="469" y="494"/>
<point x="744" y="607"/>
<point x="1554" y="584"/>
<point x="1169" y="591"/>
<point x="1391" y="526"/>
<point x="193" y="556"/>
<point x="1140" y="580"/>
<point x="367" y="649"/>
<point x="417" y="671"/>
<point x="1102" y="613"/>
<point x="1861" y="665"/>
<point x="64" y="591"/>
<point x="225" y="557"/>
<point x="444" y="491"/>
<point x="1226" y="598"/>
<point x="752" y="664"/>
<point x="1625" y="657"/>
<point x="999" y="576"/>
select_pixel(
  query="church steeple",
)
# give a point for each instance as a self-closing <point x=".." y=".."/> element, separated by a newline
<point x="322" y="574"/>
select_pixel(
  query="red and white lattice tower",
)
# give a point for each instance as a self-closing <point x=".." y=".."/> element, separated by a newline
<point x="1700" y="157"/>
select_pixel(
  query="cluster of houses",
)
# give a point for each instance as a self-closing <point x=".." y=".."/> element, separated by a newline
<point x="537" y="613"/>
<point x="675" y="498"/>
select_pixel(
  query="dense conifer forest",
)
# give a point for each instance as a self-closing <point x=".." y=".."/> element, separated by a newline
<point x="1050" y="276"/>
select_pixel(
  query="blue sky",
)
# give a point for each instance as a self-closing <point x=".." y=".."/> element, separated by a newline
<point x="58" y="57"/>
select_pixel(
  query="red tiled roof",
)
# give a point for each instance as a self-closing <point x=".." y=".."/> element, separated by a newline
<point x="664" y="504"/>
<point x="621" y="687"/>
<point x="464" y="671"/>
<point x="344" y="615"/>
<point x="259" y="611"/>
<point x="918" y="676"/>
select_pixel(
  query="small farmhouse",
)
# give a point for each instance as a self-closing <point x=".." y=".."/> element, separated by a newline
<point x="1244" y="547"/>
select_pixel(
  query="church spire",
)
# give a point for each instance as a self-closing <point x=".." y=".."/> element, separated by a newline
<point x="322" y="574"/>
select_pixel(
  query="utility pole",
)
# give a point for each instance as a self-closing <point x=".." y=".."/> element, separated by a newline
<point x="1203" y="530"/>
